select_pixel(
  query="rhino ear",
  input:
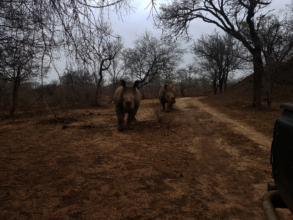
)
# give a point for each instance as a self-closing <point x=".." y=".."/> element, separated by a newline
<point x="135" y="85"/>
<point x="123" y="83"/>
<point x="166" y="86"/>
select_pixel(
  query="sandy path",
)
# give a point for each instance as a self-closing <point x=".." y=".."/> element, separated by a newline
<point x="227" y="177"/>
<point x="249" y="132"/>
<point x="235" y="176"/>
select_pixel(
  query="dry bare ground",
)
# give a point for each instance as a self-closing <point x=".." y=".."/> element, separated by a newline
<point x="193" y="163"/>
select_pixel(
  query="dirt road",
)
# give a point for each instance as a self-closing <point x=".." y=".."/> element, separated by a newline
<point x="263" y="141"/>
<point x="235" y="171"/>
<point x="192" y="163"/>
<point x="229" y="176"/>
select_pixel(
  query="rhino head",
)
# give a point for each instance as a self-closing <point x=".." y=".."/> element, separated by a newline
<point x="129" y="94"/>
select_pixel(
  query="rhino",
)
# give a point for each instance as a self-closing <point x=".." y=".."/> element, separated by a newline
<point x="127" y="99"/>
<point x="167" y="95"/>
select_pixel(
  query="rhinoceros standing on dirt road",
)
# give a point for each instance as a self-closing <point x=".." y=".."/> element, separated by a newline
<point x="127" y="99"/>
<point x="167" y="95"/>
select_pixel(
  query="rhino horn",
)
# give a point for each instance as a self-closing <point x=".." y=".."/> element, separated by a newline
<point x="123" y="83"/>
<point x="135" y="85"/>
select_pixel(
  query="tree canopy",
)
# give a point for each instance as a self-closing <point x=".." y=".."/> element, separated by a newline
<point x="228" y="15"/>
<point x="151" y="57"/>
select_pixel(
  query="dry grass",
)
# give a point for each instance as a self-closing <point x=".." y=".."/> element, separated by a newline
<point x="164" y="120"/>
<point x="159" y="170"/>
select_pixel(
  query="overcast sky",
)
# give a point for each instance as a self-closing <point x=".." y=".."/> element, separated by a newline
<point x="137" y="22"/>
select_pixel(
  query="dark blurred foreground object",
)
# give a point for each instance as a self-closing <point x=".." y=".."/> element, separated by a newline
<point x="280" y="193"/>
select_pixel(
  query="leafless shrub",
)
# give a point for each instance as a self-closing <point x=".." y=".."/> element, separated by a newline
<point x="56" y="104"/>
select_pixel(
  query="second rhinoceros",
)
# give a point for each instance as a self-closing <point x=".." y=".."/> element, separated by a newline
<point x="127" y="99"/>
<point x="167" y="95"/>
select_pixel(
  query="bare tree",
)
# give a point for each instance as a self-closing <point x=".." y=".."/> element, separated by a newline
<point x="96" y="51"/>
<point x="73" y="28"/>
<point x="78" y="85"/>
<point x="68" y="17"/>
<point x="167" y="77"/>
<point x="289" y="12"/>
<point x="228" y="15"/>
<point x="62" y="25"/>
<point x="151" y="57"/>
<point x="110" y="49"/>
<point x="218" y="56"/>
<point x="186" y="79"/>
<point x="116" y="72"/>
<point x="209" y="70"/>
<point x="20" y="50"/>
<point x="277" y="43"/>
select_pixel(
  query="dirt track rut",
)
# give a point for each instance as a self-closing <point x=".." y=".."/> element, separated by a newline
<point x="229" y="177"/>
<point x="249" y="132"/>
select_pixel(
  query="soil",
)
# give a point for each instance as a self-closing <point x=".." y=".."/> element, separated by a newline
<point x="200" y="161"/>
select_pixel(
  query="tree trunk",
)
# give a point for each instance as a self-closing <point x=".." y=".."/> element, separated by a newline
<point x="225" y="81"/>
<point x="98" y="85"/>
<point x="182" y="90"/>
<point x="99" y="82"/>
<point x="269" y="100"/>
<point x="269" y="87"/>
<point x="96" y="96"/>
<point x="97" y="90"/>
<point x="257" y="78"/>
<point x="72" y="87"/>
<point x="220" y="78"/>
<point x="15" y="92"/>
<point x="215" y="87"/>
<point x="220" y="85"/>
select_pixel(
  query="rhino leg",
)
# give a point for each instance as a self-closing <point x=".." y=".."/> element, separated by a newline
<point x="134" y="119"/>
<point x="120" y="116"/>
<point x="131" y="118"/>
<point x="169" y="107"/>
<point x="134" y="112"/>
<point x="163" y="103"/>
